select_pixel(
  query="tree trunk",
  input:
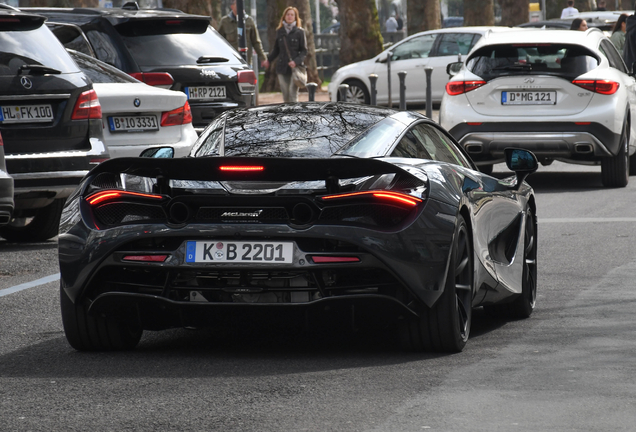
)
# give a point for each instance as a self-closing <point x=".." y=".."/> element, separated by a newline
<point x="360" y="36"/>
<point x="423" y="15"/>
<point x="479" y="13"/>
<point x="514" y="12"/>
<point x="275" y="10"/>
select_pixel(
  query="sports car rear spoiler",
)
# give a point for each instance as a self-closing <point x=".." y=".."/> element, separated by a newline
<point x="254" y="169"/>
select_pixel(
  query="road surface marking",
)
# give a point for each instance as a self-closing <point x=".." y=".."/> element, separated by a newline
<point x="32" y="284"/>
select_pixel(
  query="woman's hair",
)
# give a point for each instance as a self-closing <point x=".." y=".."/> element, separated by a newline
<point x="576" y="23"/>
<point x="621" y="20"/>
<point x="299" y="22"/>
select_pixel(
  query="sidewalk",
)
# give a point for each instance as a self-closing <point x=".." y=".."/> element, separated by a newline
<point x="274" y="98"/>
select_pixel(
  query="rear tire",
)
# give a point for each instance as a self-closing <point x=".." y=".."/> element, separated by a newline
<point x="86" y="332"/>
<point x="615" y="170"/>
<point x="42" y="226"/>
<point x="446" y="326"/>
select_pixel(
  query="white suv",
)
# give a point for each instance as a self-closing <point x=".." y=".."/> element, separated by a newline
<point x="564" y="95"/>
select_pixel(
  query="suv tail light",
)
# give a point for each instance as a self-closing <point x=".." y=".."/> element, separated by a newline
<point x="605" y="87"/>
<point x="159" y="79"/>
<point x="177" y="117"/>
<point x="247" y="81"/>
<point x="87" y="107"/>
<point x="1" y="142"/>
<point x="455" y="88"/>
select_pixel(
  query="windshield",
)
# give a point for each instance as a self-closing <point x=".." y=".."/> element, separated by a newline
<point x="564" y="60"/>
<point x="33" y="47"/>
<point x="286" y="131"/>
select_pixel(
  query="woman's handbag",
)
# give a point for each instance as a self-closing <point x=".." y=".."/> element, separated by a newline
<point x="299" y="73"/>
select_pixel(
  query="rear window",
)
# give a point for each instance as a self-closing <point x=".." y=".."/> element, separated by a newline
<point x="285" y="131"/>
<point x="173" y="49"/>
<point x="33" y="47"/>
<point x="527" y="59"/>
<point x="100" y="72"/>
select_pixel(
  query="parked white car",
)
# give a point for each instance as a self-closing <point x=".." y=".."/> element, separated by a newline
<point x="564" y="95"/>
<point x="137" y="116"/>
<point x="435" y="48"/>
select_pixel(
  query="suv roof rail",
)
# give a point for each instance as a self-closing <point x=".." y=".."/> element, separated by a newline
<point x="131" y="5"/>
<point x="9" y="7"/>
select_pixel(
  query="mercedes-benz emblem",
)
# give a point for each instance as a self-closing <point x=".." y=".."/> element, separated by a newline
<point x="26" y="83"/>
<point x="137" y="102"/>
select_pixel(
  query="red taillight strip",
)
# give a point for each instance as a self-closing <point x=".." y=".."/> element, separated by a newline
<point x="241" y="168"/>
<point x="333" y="259"/>
<point x="400" y="197"/>
<point x="605" y="87"/>
<point x="106" y="195"/>
<point x="145" y="258"/>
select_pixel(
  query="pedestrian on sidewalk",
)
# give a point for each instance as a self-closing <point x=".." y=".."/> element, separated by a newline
<point x="228" y="28"/>
<point x="291" y="49"/>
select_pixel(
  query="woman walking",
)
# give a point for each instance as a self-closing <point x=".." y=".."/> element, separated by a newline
<point x="618" y="35"/>
<point x="291" y="50"/>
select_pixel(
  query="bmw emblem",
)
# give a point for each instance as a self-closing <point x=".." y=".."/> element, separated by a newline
<point x="26" y="83"/>
<point x="137" y="102"/>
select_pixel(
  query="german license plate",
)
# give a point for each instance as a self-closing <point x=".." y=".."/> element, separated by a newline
<point x="206" y="93"/>
<point x="26" y="113"/>
<point x="216" y="251"/>
<point x="528" y="98"/>
<point x="133" y="123"/>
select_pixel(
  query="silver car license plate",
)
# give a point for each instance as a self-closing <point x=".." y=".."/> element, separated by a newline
<point x="253" y="252"/>
<point x="26" y="113"/>
<point x="133" y="123"/>
<point x="205" y="92"/>
<point x="528" y="98"/>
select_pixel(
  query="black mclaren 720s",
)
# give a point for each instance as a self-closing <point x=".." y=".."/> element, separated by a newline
<point x="295" y="210"/>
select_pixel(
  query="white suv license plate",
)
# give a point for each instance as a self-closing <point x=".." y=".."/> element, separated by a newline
<point x="205" y="93"/>
<point x="133" y="123"/>
<point x="528" y="98"/>
<point x="26" y="113"/>
<point x="217" y="251"/>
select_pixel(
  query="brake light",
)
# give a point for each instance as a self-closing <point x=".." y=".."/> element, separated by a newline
<point x="145" y="258"/>
<point x="87" y="107"/>
<point x="321" y="259"/>
<point x="455" y="88"/>
<point x="177" y="117"/>
<point x="1" y="142"/>
<point x="109" y="195"/>
<point x="154" y="78"/>
<point x="387" y="196"/>
<point x="241" y="168"/>
<point x="247" y="81"/>
<point x="605" y="87"/>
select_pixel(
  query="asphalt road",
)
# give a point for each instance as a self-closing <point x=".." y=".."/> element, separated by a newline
<point x="570" y="367"/>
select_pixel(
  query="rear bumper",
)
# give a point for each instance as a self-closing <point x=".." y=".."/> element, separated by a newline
<point x="41" y="178"/>
<point x="6" y="198"/>
<point x="486" y="142"/>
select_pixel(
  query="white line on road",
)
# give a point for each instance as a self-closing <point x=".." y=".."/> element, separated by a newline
<point x="31" y="284"/>
<point x="586" y="220"/>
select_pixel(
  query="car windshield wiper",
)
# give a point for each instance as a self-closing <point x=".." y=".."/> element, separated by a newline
<point x="38" y="69"/>
<point x="518" y="66"/>
<point x="211" y="59"/>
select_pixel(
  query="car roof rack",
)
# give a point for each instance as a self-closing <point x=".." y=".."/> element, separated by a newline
<point x="131" y="5"/>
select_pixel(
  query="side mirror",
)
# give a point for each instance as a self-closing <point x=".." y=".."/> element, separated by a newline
<point x="158" y="152"/>
<point x="522" y="162"/>
<point x="453" y="69"/>
<point x="382" y="58"/>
